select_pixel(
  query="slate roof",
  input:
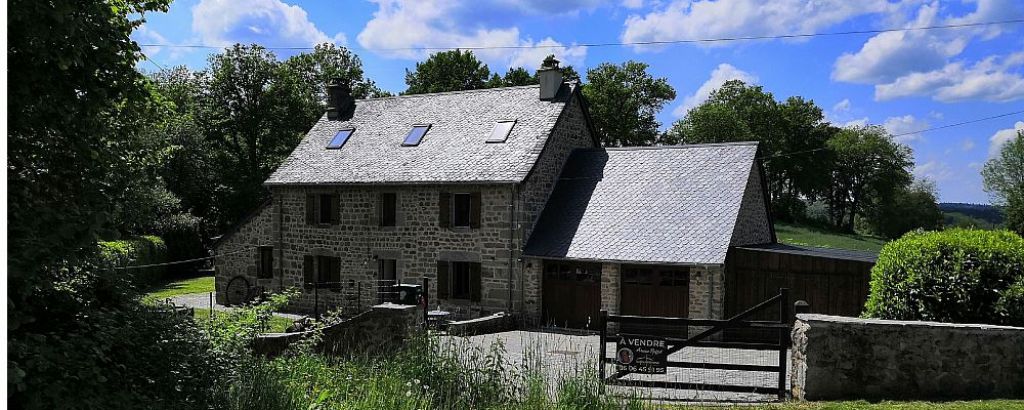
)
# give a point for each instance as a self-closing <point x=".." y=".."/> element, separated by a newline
<point x="831" y="253"/>
<point x="653" y="205"/>
<point x="453" y="151"/>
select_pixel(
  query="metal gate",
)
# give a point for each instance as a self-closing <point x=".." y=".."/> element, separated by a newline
<point x="655" y="360"/>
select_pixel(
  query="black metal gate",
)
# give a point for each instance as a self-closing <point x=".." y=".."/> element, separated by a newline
<point x="703" y="339"/>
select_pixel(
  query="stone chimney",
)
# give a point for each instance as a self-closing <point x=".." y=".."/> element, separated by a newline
<point x="550" y="77"/>
<point x="339" y="100"/>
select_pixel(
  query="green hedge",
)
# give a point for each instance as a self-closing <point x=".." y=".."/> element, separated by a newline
<point x="956" y="275"/>
<point x="143" y="250"/>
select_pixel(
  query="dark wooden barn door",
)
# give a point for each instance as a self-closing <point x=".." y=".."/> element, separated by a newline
<point x="572" y="294"/>
<point x="654" y="291"/>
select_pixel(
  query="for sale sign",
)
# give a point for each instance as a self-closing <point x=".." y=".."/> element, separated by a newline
<point x="640" y="354"/>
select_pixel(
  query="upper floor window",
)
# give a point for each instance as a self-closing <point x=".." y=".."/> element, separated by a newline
<point x="462" y="208"/>
<point x="321" y="209"/>
<point x="388" y="209"/>
<point x="415" y="135"/>
<point x="501" y="131"/>
<point x="459" y="210"/>
<point x="340" y="139"/>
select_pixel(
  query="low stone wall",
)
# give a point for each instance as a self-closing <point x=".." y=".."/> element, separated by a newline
<point x="382" y="329"/>
<point x="498" y="322"/>
<point x="839" y="357"/>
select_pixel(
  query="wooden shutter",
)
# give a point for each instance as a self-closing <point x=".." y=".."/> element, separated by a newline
<point x="310" y="209"/>
<point x="335" y="209"/>
<point x="474" y="282"/>
<point x="335" y="275"/>
<point x="442" y="279"/>
<point x="444" y="204"/>
<point x="474" y="210"/>
<point x="307" y="271"/>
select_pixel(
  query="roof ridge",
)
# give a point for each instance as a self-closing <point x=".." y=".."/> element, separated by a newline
<point x="476" y="90"/>
<point x="681" y="146"/>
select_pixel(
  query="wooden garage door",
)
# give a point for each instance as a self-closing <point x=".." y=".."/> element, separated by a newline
<point x="572" y="294"/>
<point x="655" y="291"/>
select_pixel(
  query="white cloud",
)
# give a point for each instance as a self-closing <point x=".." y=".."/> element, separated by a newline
<point x="921" y="63"/>
<point x="721" y="74"/>
<point x="685" y="19"/>
<point x="904" y="129"/>
<point x="936" y="171"/>
<point x="992" y="79"/>
<point x="145" y="35"/>
<point x="552" y="7"/>
<point x="996" y="141"/>
<point x="632" y="4"/>
<point x="967" y="144"/>
<point x="860" y="122"/>
<point x="266" y="22"/>
<point x="399" y="25"/>
<point x="842" y="106"/>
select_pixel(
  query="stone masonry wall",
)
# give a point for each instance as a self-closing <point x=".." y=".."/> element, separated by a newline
<point x="237" y="253"/>
<point x="707" y="292"/>
<point x="839" y="357"/>
<point x="752" y="225"/>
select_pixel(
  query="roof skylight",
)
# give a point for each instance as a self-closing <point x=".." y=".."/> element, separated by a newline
<point x="501" y="131"/>
<point x="415" y="135"/>
<point x="340" y="139"/>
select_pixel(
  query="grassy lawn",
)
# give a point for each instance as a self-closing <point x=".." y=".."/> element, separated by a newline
<point x="897" y="405"/>
<point x="807" y="236"/>
<point x="201" y="284"/>
<point x="277" y="323"/>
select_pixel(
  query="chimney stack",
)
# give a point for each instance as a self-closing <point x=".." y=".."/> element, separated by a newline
<point x="550" y="77"/>
<point x="339" y="99"/>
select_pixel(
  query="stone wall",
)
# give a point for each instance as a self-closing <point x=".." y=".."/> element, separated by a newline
<point x="707" y="292"/>
<point x="839" y="357"/>
<point x="752" y="224"/>
<point x="237" y="252"/>
<point x="383" y="329"/>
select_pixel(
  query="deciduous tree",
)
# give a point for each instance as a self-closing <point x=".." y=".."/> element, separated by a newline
<point x="624" y="100"/>
<point x="452" y="70"/>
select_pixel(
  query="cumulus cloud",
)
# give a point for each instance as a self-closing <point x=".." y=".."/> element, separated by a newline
<point x="268" y="22"/>
<point x="995" y="79"/>
<point x="922" y="63"/>
<point x="859" y="122"/>
<point x="397" y="26"/>
<point x="555" y="7"/>
<point x="721" y="74"/>
<point x="842" y="106"/>
<point x="632" y="4"/>
<point x="144" y="34"/>
<point x="936" y="171"/>
<point x="686" y="19"/>
<point x="904" y="129"/>
<point x="996" y="141"/>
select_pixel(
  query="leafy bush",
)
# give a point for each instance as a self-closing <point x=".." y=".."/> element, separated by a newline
<point x="789" y="208"/>
<point x="185" y="238"/>
<point x="143" y="250"/>
<point x="957" y="275"/>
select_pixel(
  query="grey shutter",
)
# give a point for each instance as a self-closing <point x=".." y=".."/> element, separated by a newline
<point x="444" y="204"/>
<point x="442" y="279"/>
<point x="474" y="282"/>
<point x="335" y="209"/>
<point x="310" y="209"/>
<point x="307" y="270"/>
<point x="474" y="210"/>
<point x="377" y="212"/>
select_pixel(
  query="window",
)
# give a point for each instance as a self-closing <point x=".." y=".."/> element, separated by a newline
<point x="322" y="271"/>
<point x="572" y="271"/>
<point x="340" y="139"/>
<point x="458" y="280"/>
<point x="321" y="209"/>
<point x="265" y="262"/>
<point x="415" y="135"/>
<point x="462" y="207"/>
<point x="388" y="209"/>
<point x="501" y="131"/>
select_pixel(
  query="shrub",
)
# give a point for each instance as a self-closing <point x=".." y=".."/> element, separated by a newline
<point x="185" y="238"/>
<point x="789" y="208"/>
<point x="957" y="275"/>
<point x="144" y="250"/>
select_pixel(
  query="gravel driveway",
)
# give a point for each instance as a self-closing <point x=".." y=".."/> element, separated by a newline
<point x="567" y="354"/>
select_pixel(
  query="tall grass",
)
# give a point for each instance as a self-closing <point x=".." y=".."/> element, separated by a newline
<point x="427" y="373"/>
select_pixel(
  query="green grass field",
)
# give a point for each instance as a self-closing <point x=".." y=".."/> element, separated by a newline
<point x="202" y="284"/>
<point x="808" y="236"/>
<point x="277" y="323"/>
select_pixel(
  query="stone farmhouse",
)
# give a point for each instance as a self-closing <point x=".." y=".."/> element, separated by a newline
<point x="505" y="200"/>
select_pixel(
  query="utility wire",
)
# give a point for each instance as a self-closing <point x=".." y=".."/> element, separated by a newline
<point x="153" y="265"/>
<point x="640" y="43"/>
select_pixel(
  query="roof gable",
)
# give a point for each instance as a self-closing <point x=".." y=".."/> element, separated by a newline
<point x="454" y="150"/>
<point x="655" y="205"/>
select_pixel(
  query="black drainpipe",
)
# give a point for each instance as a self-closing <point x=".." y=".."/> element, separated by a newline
<point x="280" y="243"/>
<point x="511" y="241"/>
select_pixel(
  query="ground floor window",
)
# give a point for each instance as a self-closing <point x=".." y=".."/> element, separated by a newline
<point x="322" y="271"/>
<point x="265" y="262"/>
<point x="458" y="280"/>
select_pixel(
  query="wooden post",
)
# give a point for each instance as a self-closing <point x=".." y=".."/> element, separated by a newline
<point x="603" y="325"/>
<point x="784" y="317"/>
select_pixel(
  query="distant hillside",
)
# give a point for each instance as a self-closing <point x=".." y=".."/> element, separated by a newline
<point x="811" y="236"/>
<point x="977" y="215"/>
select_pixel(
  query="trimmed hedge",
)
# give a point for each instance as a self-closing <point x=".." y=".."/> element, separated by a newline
<point x="143" y="250"/>
<point x="956" y="275"/>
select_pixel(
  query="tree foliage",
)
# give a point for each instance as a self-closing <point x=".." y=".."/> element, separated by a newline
<point x="1003" y="178"/>
<point x="624" y="100"/>
<point x="452" y="70"/>
<point x="868" y="169"/>
<point x="910" y="208"/>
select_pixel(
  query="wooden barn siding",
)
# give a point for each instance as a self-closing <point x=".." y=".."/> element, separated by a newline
<point x="830" y="286"/>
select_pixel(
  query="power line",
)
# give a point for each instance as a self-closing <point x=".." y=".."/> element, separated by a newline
<point x="153" y="265"/>
<point x="640" y="43"/>
<point x="959" y="123"/>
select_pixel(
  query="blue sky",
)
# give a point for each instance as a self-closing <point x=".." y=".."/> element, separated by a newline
<point x="907" y="81"/>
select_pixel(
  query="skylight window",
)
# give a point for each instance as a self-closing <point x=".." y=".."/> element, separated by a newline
<point x="415" y="135"/>
<point x="340" y="139"/>
<point x="501" y="131"/>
